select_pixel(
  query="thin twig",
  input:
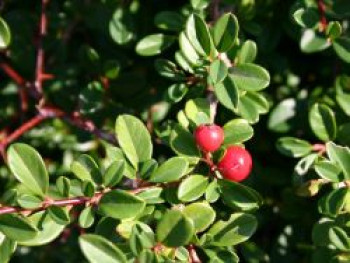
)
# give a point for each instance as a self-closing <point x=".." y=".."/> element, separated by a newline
<point x="322" y="11"/>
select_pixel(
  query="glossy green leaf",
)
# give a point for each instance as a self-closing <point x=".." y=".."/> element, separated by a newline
<point x="307" y="18"/>
<point x="152" y="195"/>
<point x="120" y="204"/>
<point x="282" y="115"/>
<point x="199" y="4"/>
<point x="248" y="52"/>
<point x="134" y="139"/>
<point x="329" y="171"/>
<point x="59" y="214"/>
<point x="98" y="249"/>
<point x="217" y="71"/>
<point x="237" y="229"/>
<point x="147" y="168"/>
<point x="188" y="51"/>
<point x="227" y="93"/>
<point x="171" y="170"/>
<point x="237" y="131"/>
<point x="17" y="227"/>
<point x="333" y="202"/>
<point x="221" y="256"/>
<point x="312" y="42"/>
<point x="28" y="167"/>
<point x="334" y="29"/>
<point x="154" y="44"/>
<point x="177" y="92"/>
<point x="250" y="77"/>
<point x="341" y="46"/>
<point x="225" y="32"/>
<point x="198" y="111"/>
<point x="339" y="238"/>
<point x="251" y="105"/>
<point x="212" y="193"/>
<point x="341" y="156"/>
<point x="63" y="186"/>
<point x="121" y="27"/>
<point x="198" y="34"/>
<point x="5" y="34"/>
<point x="86" y="169"/>
<point x="169" y="20"/>
<point x="293" y="147"/>
<point x="192" y="188"/>
<point x="29" y="201"/>
<point x="202" y="215"/>
<point x="141" y="237"/>
<point x="183" y="143"/>
<point x="87" y="217"/>
<point x="114" y="173"/>
<point x="168" y="69"/>
<point x="239" y="196"/>
<point x="322" y="122"/>
<point x="7" y="248"/>
<point x="175" y="229"/>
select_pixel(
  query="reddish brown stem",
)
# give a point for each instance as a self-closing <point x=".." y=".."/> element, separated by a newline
<point x="318" y="147"/>
<point x="13" y="74"/>
<point x="322" y="11"/>
<point x="193" y="254"/>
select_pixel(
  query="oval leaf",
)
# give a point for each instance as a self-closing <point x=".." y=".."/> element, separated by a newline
<point x="225" y="32"/>
<point x="322" y="122"/>
<point x="154" y="44"/>
<point x="171" y="170"/>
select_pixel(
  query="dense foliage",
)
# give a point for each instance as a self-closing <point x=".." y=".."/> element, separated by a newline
<point x="129" y="130"/>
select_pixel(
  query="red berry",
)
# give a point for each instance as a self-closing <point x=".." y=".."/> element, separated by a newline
<point x="236" y="164"/>
<point x="209" y="137"/>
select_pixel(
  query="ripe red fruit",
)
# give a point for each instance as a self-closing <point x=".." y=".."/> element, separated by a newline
<point x="209" y="137"/>
<point x="236" y="164"/>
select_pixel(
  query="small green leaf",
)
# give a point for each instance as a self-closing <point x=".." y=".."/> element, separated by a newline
<point x="322" y="122"/>
<point x="237" y="131"/>
<point x="86" y="169"/>
<point x="225" y="32"/>
<point x="227" y="93"/>
<point x="169" y="70"/>
<point x="188" y="51"/>
<point x="152" y="195"/>
<point x="334" y="29"/>
<point x="239" y="196"/>
<point x="17" y="228"/>
<point x="141" y="237"/>
<point x="177" y="92"/>
<point x="29" y="201"/>
<point x="239" y="228"/>
<point x="192" y="188"/>
<point x="154" y="44"/>
<point x="250" y="77"/>
<point x="212" y="194"/>
<point x="175" y="229"/>
<point x="341" y="156"/>
<point x="251" y="105"/>
<point x="114" y="173"/>
<point x="293" y="147"/>
<point x="134" y="139"/>
<point x="63" y="186"/>
<point x="171" y="170"/>
<point x="28" y="167"/>
<point x="87" y="217"/>
<point x="7" y="248"/>
<point x="202" y="215"/>
<point x="98" y="249"/>
<point x="120" y="204"/>
<point x="248" y="52"/>
<point x="329" y="171"/>
<point x="5" y="34"/>
<point x="199" y="4"/>
<point x="217" y="71"/>
<point x="311" y="42"/>
<point x="198" y="34"/>
<point x="59" y="214"/>
<point x="147" y="168"/>
<point x="88" y="189"/>
<point x="198" y="107"/>
<point x="339" y="238"/>
<point x="343" y="93"/>
<point x="121" y="27"/>
<point x="333" y="202"/>
<point x="282" y="115"/>
<point x="341" y="46"/>
<point x="307" y="18"/>
<point x="169" y="20"/>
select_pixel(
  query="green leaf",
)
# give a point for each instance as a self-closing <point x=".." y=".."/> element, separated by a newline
<point x="341" y="46"/>
<point x="152" y="195"/>
<point x="322" y="122"/>
<point x="221" y="256"/>
<point x="225" y="32"/>
<point x="121" y="27"/>
<point x="341" y="156"/>
<point x="114" y="173"/>
<point x="28" y="167"/>
<point x="175" y="229"/>
<point x="334" y="30"/>
<point x="192" y="188"/>
<point x="134" y="139"/>
<point x="168" y="69"/>
<point x="199" y="4"/>
<point x="7" y="248"/>
<point x="339" y="238"/>
<point x="227" y="93"/>
<point x="98" y="249"/>
<point x="171" y="170"/>
<point x="202" y="215"/>
<point x="154" y="44"/>
<point x="333" y="202"/>
<point x="169" y="20"/>
<point x="311" y="42"/>
<point x="237" y="131"/>
<point x="29" y="201"/>
<point x="5" y="34"/>
<point x="239" y="196"/>
<point x="87" y="217"/>
<point x="198" y="34"/>
<point x="63" y="186"/>
<point x="320" y="232"/>
<point x="307" y="18"/>
<point x="120" y="204"/>
<point x="239" y="228"/>
<point x="198" y="111"/>
<point x="250" y="77"/>
<point x="217" y="71"/>
<point x="212" y="194"/>
<point x="188" y="51"/>
<point x="177" y="92"/>
<point x="147" y="168"/>
<point x="17" y="228"/>
<point x="251" y="105"/>
<point x="343" y="93"/>
<point x="59" y="214"/>
<point x="329" y="171"/>
<point x="86" y="169"/>
<point x="293" y="147"/>
<point x="248" y="52"/>
<point x="141" y="237"/>
<point x="282" y="115"/>
<point x="48" y="229"/>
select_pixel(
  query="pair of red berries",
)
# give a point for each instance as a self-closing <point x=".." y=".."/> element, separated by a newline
<point x="236" y="164"/>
